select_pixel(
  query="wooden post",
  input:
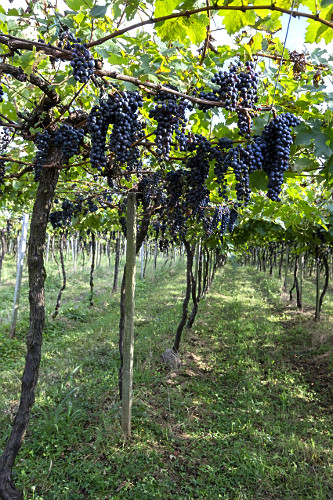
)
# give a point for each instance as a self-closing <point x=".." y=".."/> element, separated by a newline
<point x="127" y="375"/>
<point x="48" y="247"/>
<point x="155" y="253"/>
<point x="286" y="268"/>
<point x="142" y="259"/>
<point x="317" y="314"/>
<point x="300" y="272"/>
<point x="20" y="262"/>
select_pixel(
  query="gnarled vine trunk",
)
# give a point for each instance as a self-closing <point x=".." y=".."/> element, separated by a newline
<point x="37" y="275"/>
<point x="189" y="260"/>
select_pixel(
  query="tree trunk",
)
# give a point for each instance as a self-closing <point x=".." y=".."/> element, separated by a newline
<point x="128" y="344"/>
<point x="63" y="270"/>
<point x="92" y="268"/>
<point x="195" y="298"/>
<point x="321" y="298"/>
<point x="298" y="297"/>
<point x="189" y="255"/>
<point x="40" y="214"/>
<point x="317" y="314"/>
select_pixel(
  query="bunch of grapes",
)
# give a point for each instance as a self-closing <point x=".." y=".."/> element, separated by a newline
<point x="269" y="152"/>
<point x="233" y="218"/>
<point x="170" y="114"/>
<point x="43" y="142"/>
<point x="276" y="142"/>
<point x="92" y="207"/>
<point x="120" y="110"/>
<point x="237" y="162"/>
<point x="68" y="139"/>
<point x="196" y="190"/>
<point x="122" y="113"/>
<point x="62" y="218"/>
<point x="237" y="87"/>
<point x="1" y="93"/>
<point x="174" y="186"/>
<point x="98" y="128"/>
<point x="220" y="168"/>
<point x="83" y="63"/>
<point x="4" y="141"/>
<point x="149" y="189"/>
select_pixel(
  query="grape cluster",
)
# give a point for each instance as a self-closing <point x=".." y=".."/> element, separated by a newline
<point x="43" y="142"/>
<point x="149" y="189"/>
<point x="196" y="190"/>
<point x="237" y="87"/>
<point x="68" y="139"/>
<point x="122" y="113"/>
<point x="98" y="128"/>
<point x="83" y="63"/>
<point x="269" y="152"/>
<point x="244" y="124"/>
<point x="120" y="110"/>
<point x="4" y="141"/>
<point x="174" y="186"/>
<point x="92" y="207"/>
<point x="1" y="93"/>
<point x="224" y="219"/>
<point x="170" y="114"/>
<point x="62" y="218"/>
<point x="236" y="161"/>
<point x="220" y="168"/>
<point x="276" y="142"/>
<point x="232" y="219"/>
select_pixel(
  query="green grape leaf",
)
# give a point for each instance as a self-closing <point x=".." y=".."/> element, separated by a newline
<point x="329" y="165"/>
<point x="99" y="10"/>
<point x="234" y="20"/>
<point x="165" y="7"/>
<point x="192" y="29"/>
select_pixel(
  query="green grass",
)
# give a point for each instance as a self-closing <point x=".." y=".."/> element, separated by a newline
<point x="248" y="415"/>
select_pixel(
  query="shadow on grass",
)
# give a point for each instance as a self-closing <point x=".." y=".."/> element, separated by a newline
<point x="238" y="420"/>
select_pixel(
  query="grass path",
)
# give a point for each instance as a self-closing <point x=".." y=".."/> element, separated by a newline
<point x="248" y="415"/>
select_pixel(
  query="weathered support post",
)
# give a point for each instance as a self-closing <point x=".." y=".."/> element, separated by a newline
<point x="317" y="314"/>
<point x="300" y="271"/>
<point x="127" y="375"/>
<point x="47" y="248"/>
<point x="142" y="259"/>
<point x="20" y="262"/>
<point x="286" y="268"/>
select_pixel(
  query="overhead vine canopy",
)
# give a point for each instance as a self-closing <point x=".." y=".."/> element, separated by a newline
<point x="130" y="91"/>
